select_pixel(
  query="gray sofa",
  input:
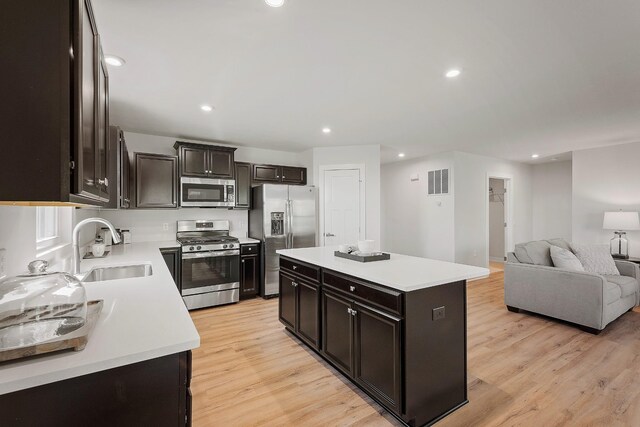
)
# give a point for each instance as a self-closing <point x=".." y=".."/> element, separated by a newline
<point x="589" y="300"/>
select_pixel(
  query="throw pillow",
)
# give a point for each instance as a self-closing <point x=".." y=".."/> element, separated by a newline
<point x="564" y="258"/>
<point x="596" y="259"/>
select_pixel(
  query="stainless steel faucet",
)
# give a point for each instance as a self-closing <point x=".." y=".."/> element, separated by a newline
<point x="76" y="235"/>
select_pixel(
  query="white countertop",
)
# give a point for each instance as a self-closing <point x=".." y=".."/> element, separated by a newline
<point x="142" y="318"/>
<point x="402" y="272"/>
<point x="247" y="240"/>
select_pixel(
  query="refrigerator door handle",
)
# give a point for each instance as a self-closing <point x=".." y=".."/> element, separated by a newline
<point x="287" y="225"/>
<point x="291" y="222"/>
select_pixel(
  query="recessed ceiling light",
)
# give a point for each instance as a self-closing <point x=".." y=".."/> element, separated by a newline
<point x="116" y="61"/>
<point x="535" y="156"/>
<point x="454" y="72"/>
<point x="400" y="154"/>
<point x="206" y="108"/>
<point x="274" y="3"/>
<point x="326" y="130"/>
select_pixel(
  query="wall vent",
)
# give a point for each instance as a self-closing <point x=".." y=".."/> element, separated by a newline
<point x="438" y="182"/>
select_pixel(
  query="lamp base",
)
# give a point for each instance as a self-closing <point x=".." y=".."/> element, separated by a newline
<point x="618" y="256"/>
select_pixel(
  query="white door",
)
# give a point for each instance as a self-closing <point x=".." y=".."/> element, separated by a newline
<point x="341" y="207"/>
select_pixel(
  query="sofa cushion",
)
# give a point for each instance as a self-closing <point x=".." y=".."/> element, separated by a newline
<point x="628" y="285"/>
<point x="561" y="243"/>
<point x="564" y="258"/>
<point x="596" y="259"/>
<point x="612" y="292"/>
<point x="536" y="252"/>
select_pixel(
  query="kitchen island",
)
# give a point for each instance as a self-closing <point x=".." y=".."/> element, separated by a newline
<point x="395" y="328"/>
<point x="135" y="369"/>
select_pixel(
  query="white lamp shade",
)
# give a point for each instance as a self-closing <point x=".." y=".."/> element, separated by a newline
<point x="622" y="221"/>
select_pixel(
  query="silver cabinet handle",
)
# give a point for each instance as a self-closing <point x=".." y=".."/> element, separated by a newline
<point x="349" y="310"/>
<point x="352" y="288"/>
<point x="295" y="267"/>
<point x="354" y="312"/>
<point x="294" y="284"/>
<point x="104" y="182"/>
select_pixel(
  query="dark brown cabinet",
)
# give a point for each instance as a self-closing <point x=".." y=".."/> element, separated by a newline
<point x="173" y="258"/>
<point x="249" y="270"/>
<point x="265" y="174"/>
<point x="300" y="307"/>
<point x="243" y="185"/>
<point x="398" y="347"/>
<point x="156" y="181"/>
<point x="205" y="161"/>
<point x="57" y="118"/>
<point x="119" y="166"/>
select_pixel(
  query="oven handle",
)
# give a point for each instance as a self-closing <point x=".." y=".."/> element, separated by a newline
<point x="211" y="254"/>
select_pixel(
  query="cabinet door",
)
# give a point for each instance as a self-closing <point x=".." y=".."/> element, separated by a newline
<point x="194" y="161"/>
<point x="156" y="181"/>
<point x="221" y="164"/>
<point x="243" y="186"/>
<point x="102" y="142"/>
<point x="287" y="301"/>
<point x="308" y="304"/>
<point x="174" y="262"/>
<point x="337" y="331"/>
<point x="87" y="61"/>
<point x="377" y="354"/>
<point x="248" y="276"/>
<point x="296" y="176"/>
<point x="266" y="173"/>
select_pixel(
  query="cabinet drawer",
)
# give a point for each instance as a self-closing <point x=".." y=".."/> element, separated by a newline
<point x="304" y="270"/>
<point x="248" y="249"/>
<point x="377" y="295"/>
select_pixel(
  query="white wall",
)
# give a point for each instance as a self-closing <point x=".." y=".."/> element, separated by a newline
<point x="552" y="188"/>
<point x="164" y="145"/>
<point x="414" y="223"/>
<point x="369" y="155"/>
<point x="148" y="225"/>
<point x="496" y="221"/>
<point x="18" y="238"/>
<point x="471" y="204"/>
<point x="605" y="179"/>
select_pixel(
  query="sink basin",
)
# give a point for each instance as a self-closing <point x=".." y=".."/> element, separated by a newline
<point x="101" y="274"/>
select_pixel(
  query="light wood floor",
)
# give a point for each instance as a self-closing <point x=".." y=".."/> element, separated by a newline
<point x="524" y="370"/>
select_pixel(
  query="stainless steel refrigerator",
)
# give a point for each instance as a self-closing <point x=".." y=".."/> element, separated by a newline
<point x="282" y="217"/>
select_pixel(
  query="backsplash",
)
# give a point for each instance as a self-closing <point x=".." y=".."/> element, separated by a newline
<point x="160" y="224"/>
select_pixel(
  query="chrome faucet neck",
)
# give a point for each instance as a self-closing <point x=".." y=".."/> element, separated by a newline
<point x="76" y="237"/>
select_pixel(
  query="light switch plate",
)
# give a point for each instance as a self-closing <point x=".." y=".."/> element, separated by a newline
<point x="3" y="262"/>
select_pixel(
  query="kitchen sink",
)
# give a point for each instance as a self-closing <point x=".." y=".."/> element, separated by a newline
<point x="101" y="274"/>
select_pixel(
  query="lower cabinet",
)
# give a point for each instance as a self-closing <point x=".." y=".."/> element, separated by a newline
<point x="299" y="308"/>
<point x="337" y="330"/>
<point x="173" y="259"/>
<point x="154" y="392"/>
<point x="249" y="282"/>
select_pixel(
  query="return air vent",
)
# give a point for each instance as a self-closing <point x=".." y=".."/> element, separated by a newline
<point x="438" y="182"/>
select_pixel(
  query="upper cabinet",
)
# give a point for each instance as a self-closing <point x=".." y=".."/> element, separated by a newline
<point x="57" y="118"/>
<point x="156" y="181"/>
<point x="273" y="174"/>
<point x="243" y="185"/>
<point x="205" y="161"/>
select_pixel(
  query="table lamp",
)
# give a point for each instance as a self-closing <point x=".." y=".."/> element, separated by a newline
<point x="620" y="222"/>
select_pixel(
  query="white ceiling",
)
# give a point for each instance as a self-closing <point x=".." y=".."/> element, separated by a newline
<point x="538" y="76"/>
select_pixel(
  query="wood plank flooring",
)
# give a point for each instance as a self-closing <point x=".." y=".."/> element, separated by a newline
<point x="524" y="370"/>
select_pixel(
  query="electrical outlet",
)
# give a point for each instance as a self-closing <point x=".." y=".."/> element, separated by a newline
<point x="165" y="226"/>
<point x="3" y="262"/>
<point x="438" y="313"/>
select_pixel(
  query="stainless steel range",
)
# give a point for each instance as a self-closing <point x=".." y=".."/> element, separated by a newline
<point x="210" y="263"/>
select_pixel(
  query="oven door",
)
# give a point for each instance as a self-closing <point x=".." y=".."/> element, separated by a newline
<point x="199" y="192"/>
<point x="210" y="271"/>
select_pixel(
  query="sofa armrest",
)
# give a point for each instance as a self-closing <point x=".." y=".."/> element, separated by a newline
<point x="574" y="296"/>
<point x="628" y="268"/>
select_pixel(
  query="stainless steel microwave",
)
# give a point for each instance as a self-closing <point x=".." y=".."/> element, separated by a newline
<point x="207" y="192"/>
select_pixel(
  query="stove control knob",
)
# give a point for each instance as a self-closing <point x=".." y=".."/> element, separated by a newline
<point x="199" y="247"/>
<point x="231" y="245"/>
<point x="224" y="246"/>
<point x="191" y="248"/>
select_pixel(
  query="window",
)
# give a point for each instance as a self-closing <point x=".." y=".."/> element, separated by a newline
<point x="52" y="227"/>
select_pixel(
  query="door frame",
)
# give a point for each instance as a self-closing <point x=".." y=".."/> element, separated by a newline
<point x="362" y="185"/>
<point x="508" y="213"/>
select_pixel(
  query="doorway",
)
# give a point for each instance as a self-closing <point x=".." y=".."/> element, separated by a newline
<point x="342" y="204"/>
<point x="498" y="233"/>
